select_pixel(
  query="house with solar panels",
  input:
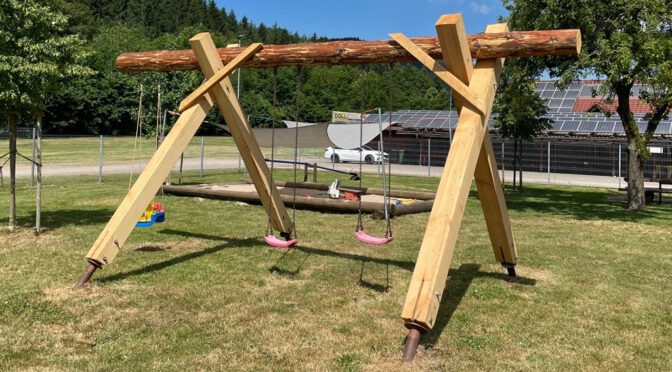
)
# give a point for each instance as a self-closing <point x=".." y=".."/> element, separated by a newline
<point x="583" y="139"/>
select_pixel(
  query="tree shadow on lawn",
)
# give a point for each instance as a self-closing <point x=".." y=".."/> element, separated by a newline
<point x="581" y="204"/>
<point x="229" y="243"/>
<point x="55" y="219"/>
<point x="456" y="287"/>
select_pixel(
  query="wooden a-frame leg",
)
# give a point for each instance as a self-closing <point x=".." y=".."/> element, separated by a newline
<point x="120" y="226"/>
<point x="122" y="223"/>
<point x="457" y="58"/>
<point x="225" y="97"/>
<point x="491" y="194"/>
<point x="431" y="271"/>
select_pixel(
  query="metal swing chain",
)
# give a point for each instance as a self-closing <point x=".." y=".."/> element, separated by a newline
<point x="269" y="228"/>
<point x="138" y="133"/>
<point x="299" y="71"/>
<point x="360" y="222"/>
<point x="389" y="184"/>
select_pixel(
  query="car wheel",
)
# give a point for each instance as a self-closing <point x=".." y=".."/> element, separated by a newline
<point x="335" y="158"/>
<point x="369" y="159"/>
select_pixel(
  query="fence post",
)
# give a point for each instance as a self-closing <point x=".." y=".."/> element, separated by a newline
<point x="100" y="160"/>
<point x="503" y="166"/>
<point x="548" y="163"/>
<point x="429" y="157"/>
<point x="32" y="167"/>
<point x="202" y="153"/>
<point x="38" y="192"/>
<point x="619" y="165"/>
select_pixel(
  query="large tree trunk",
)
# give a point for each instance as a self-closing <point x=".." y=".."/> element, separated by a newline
<point x="636" y="196"/>
<point x="636" y="145"/>
<point x="12" y="171"/>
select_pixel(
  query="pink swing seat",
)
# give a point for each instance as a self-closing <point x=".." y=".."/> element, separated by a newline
<point x="277" y="243"/>
<point x="371" y="240"/>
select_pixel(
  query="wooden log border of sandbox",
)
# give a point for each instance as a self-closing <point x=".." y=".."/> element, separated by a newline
<point x="376" y="210"/>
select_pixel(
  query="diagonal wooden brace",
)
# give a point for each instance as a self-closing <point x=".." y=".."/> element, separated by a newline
<point x="457" y="85"/>
<point x="219" y="76"/>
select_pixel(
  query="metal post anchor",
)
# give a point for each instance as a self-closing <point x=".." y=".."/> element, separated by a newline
<point x="88" y="273"/>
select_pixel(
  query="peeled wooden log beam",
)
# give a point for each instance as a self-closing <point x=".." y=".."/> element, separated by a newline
<point x="497" y="45"/>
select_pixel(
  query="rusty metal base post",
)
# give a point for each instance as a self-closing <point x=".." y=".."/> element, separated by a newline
<point x="510" y="269"/>
<point x="415" y="331"/>
<point x="90" y="269"/>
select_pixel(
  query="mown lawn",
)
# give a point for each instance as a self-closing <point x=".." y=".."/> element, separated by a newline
<point x="202" y="291"/>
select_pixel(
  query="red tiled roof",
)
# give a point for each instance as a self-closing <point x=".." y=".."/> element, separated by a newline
<point x="586" y="104"/>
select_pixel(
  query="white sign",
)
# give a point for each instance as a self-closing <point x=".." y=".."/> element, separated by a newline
<point x="655" y="150"/>
<point x="344" y="117"/>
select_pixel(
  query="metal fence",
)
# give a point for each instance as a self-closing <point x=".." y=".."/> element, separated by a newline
<point x="421" y="156"/>
<point x="550" y="156"/>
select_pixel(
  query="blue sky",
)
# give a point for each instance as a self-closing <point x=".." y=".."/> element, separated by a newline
<point x="367" y="19"/>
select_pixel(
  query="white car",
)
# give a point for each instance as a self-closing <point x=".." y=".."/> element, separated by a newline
<point x="364" y="153"/>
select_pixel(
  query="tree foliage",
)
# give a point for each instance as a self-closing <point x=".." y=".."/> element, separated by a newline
<point x="520" y="110"/>
<point x="98" y="99"/>
<point x="36" y="54"/>
<point x="624" y="42"/>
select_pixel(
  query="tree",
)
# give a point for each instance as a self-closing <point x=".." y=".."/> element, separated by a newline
<point x="36" y="55"/>
<point x="624" y="42"/>
<point x="520" y="111"/>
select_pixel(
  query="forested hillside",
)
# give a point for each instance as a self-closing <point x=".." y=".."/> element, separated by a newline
<point x="107" y="102"/>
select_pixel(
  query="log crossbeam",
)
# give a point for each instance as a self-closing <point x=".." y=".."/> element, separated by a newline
<point x="482" y="46"/>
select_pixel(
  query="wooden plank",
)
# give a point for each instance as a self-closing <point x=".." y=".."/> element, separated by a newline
<point x="457" y="58"/>
<point x="431" y="269"/>
<point x="225" y="97"/>
<point x="507" y="44"/>
<point x="221" y="74"/>
<point x="122" y="223"/>
<point x="456" y="84"/>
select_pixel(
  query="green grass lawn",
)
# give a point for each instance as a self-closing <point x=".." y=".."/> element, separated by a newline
<point x="201" y="291"/>
<point x="85" y="150"/>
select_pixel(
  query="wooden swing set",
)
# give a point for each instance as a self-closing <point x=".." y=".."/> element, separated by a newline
<point x="471" y="154"/>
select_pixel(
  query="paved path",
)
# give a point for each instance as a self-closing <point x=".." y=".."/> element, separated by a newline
<point x="405" y="169"/>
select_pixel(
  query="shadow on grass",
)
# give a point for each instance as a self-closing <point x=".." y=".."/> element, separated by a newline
<point x="374" y="286"/>
<point x="55" y="219"/>
<point x="406" y="265"/>
<point x="458" y="283"/>
<point x="579" y="203"/>
<point x="190" y="234"/>
<point x="230" y="243"/>
<point x="288" y="259"/>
